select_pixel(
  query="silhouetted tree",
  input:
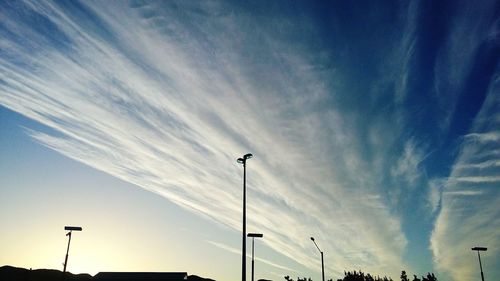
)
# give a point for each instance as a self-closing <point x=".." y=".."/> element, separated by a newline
<point x="404" y="277"/>
<point x="361" y="276"/>
<point x="287" y="278"/>
<point x="429" y="277"/>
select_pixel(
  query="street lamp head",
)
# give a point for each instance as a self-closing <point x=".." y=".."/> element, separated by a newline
<point x="255" y="235"/>
<point x="312" y="238"/>
<point x="479" y="249"/>
<point x="73" y="228"/>
<point x="244" y="159"/>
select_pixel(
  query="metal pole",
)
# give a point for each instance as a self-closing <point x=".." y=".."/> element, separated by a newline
<point x="67" y="252"/>
<point x="323" y="267"/>
<point x="322" y="263"/>
<point x="253" y="262"/>
<point x="480" y="266"/>
<point x="254" y="235"/>
<point x="244" y="246"/>
<point x="243" y="160"/>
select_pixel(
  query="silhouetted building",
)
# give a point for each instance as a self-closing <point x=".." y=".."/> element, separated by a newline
<point x="140" y="276"/>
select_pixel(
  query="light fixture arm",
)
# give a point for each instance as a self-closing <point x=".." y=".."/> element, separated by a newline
<point x="317" y="247"/>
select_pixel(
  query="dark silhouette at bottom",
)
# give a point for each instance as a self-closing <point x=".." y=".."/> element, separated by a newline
<point x="10" y="273"/>
<point x="361" y="276"/>
<point x="140" y="276"/>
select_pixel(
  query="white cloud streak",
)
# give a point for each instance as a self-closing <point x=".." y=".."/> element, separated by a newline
<point x="407" y="166"/>
<point x="470" y="215"/>
<point x="238" y="252"/>
<point x="464" y="192"/>
<point x="167" y="98"/>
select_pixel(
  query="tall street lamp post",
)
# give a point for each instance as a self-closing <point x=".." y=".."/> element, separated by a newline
<point x="480" y="249"/>
<point x="322" y="264"/>
<point x="254" y="235"/>
<point x="70" y="228"/>
<point x="243" y="161"/>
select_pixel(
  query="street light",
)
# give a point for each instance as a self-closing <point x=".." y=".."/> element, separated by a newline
<point x="322" y="265"/>
<point x="70" y="228"/>
<point x="254" y="235"/>
<point x="243" y="161"/>
<point x="480" y="249"/>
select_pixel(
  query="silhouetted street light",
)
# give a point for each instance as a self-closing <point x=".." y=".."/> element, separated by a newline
<point x="480" y="249"/>
<point x="243" y="161"/>
<point x="70" y="228"/>
<point x="254" y="235"/>
<point x="322" y="264"/>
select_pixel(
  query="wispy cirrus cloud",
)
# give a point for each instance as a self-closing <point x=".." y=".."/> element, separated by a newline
<point x="464" y="192"/>
<point x="166" y="95"/>
<point x="470" y="215"/>
<point x="407" y="166"/>
<point x="167" y="99"/>
<point x="238" y="252"/>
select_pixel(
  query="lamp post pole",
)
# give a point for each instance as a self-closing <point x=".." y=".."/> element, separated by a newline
<point x="254" y="235"/>
<point x="243" y="161"/>
<point x="67" y="251"/>
<point x="70" y="228"/>
<point x="480" y="249"/>
<point x="322" y="264"/>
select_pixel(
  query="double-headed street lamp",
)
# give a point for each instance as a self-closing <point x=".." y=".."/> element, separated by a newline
<point x="254" y="235"/>
<point x="480" y="249"/>
<point x="322" y="264"/>
<point x="243" y="161"/>
<point x="70" y="228"/>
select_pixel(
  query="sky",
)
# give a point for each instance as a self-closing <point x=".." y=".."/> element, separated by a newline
<point x="375" y="128"/>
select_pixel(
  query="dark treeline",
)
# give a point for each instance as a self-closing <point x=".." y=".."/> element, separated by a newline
<point x="361" y="276"/>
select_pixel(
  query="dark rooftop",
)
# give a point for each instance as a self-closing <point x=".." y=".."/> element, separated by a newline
<point x="141" y="276"/>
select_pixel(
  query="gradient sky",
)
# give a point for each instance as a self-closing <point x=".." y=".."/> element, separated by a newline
<point x="375" y="128"/>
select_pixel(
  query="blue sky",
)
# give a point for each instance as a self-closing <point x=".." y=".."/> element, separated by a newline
<point x="375" y="129"/>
